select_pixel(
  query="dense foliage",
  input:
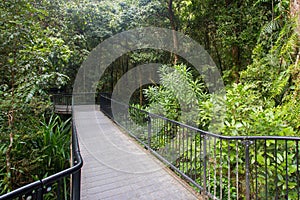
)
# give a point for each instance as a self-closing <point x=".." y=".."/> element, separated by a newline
<point x="262" y="99"/>
<point x="32" y="58"/>
<point x="254" y="43"/>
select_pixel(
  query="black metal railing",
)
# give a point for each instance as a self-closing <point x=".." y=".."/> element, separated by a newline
<point x="231" y="167"/>
<point x="62" y="185"/>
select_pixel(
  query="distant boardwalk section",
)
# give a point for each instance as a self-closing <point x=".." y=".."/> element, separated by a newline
<point x="62" y="103"/>
<point x="63" y="109"/>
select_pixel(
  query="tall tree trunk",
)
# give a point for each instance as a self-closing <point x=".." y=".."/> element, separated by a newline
<point x="236" y="62"/>
<point x="141" y="87"/>
<point x="174" y="29"/>
<point x="10" y="119"/>
<point x="295" y="12"/>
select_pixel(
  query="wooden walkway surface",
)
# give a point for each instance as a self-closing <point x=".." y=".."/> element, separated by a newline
<point x="116" y="167"/>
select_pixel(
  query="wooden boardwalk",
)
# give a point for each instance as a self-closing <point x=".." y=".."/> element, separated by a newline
<point x="116" y="167"/>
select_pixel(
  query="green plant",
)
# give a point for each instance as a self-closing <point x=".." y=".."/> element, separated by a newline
<point x="36" y="155"/>
<point x="179" y="95"/>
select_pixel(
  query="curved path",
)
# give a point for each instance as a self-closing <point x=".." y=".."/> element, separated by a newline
<point x="116" y="167"/>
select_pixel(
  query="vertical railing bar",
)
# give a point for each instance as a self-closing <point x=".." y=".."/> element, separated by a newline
<point x="208" y="160"/>
<point x="145" y="130"/>
<point x="39" y="191"/>
<point x="228" y="172"/>
<point x="286" y="169"/>
<point x="154" y="129"/>
<point x="195" y="156"/>
<point x="167" y="136"/>
<point x="192" y="158"/>
<point x="159" y="133"/>
<point x="172" y="145"/>
<point x="237" y="171"/>
<point x="176" y="144"/>
<point x="176" y="139"/>
<point x="149" y="131"/>
<point x="187" y="150"/>
<point x="266" y="169"/>
<point x="162" y="135"/>
<point x="76" y="185"/>
<point x="256" y="171"/>
<point x="221" y="169"/>
<point x="204" y="164"/>
<point x="200" y="158"/>
<point x="183" y="150"/>
<point x="276" y="172"/>
<point x="157" y="125"/>
<point x="297" y="162"/>
<point x="215" y="166"/>
<point x="165" y="133"/>
<point x="190" y="136"/>
<point x="162" y="123"/>
<point x="247" y="163"/>
<point x="185" y="141"/>
<point x="65" y="188"/>
<point x="58" y="189"/>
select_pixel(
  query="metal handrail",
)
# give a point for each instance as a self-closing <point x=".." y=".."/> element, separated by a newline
<point x="37" y="189"/>
<point x="232" y="167"/>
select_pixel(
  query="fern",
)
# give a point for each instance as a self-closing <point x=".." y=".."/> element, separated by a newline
<point x="288" y="50"/>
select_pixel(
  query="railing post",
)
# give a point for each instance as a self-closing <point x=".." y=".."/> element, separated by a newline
<point x="149" y="131"/>
<point x="76" y="185"/>
<point x="40" y="191"/>
<point x="247" y="163"/>
<point x="75" y="177"/>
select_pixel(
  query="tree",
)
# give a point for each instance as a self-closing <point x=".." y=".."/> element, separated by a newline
<point x="32" y="58"/>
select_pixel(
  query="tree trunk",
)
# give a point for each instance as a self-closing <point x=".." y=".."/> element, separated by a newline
<point x="10" y="120"/>
<point x="141" y="87"/>
<point x="174" y="29"/>
<point x="295" y="12"/>
<point x="8" y="151"/>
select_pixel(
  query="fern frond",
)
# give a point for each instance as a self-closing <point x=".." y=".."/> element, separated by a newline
<point x="290" y="47"/>
<point x="269" y="29"/>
